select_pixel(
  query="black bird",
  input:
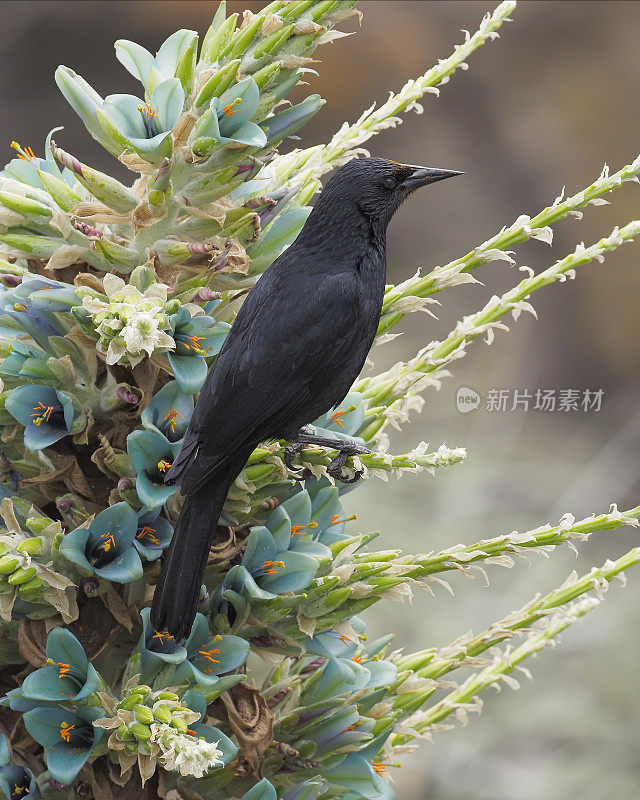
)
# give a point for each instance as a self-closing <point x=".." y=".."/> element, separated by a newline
<point x="297" y="345"/>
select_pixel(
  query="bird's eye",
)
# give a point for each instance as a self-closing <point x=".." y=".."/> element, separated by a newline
<point x="390" y="183"/>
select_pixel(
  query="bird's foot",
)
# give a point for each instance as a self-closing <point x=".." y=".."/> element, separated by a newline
<point x="345" y="447"/>
<point x="290" y="452"/>
<point x="335" y="467"/>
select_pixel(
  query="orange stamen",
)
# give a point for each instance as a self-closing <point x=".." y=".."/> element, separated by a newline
<point x="208" y="656"/>
<point x="64" y="668"/>
<point x="42" y="414"/>
<point x="230" y="108"/>
<point x="108" y="542"/>
<point x="345" y="639"/>
<point x="19" y="307"/>
<point x="171" y="419"/>
<point x="357" y="659"/>
<point x="296" y="530"/>
<point x="148" y="111"/>
<point x="163" y="465"/>
<point x="335" y="417"/>
<point x="24" y="155"/>
<point x="148" y="533"/>
<point x="271" y="567"/>
<point x="162" y="635"/>
<point x="65" y="731"/>
<point x="194" y="341"/>
<point x="379" y="769"/>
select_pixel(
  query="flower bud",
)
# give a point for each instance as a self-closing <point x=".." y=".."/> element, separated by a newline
<point x="124" y="734"/>
<point x="168" y="696"/>
<point x="22" y="575"/>
<point x="37" y="524"/>
<point x="162" y="714"/>
<point x="143" y="714"/>
<point x="9" y="563"/>
<point x="179" y="724"/>
<point x="32" y="545"/>
<point x="140" y="731"/>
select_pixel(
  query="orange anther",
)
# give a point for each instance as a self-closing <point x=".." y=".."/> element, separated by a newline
<point x="65" y="731"/>
<point x="230" y="108"/>
<point x="148" y="111"/>
<point x="148" y="533"/>
<point x="163" y="465"/>
<point x="208" y="656"/>
<point x="162" y="635"/>
<point x="171" y="419"/>
<point x="335" y="417"/>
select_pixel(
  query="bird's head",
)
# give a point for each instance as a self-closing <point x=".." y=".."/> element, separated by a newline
<point x="375" y="187"/>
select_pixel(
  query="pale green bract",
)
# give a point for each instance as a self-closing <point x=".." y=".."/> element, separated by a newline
<point x="114" y="301"/>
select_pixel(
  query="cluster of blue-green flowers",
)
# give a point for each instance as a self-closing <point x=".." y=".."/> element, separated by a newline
<point x="105" y="360"/>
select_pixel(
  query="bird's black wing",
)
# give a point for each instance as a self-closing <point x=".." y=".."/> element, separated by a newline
<point x="285" y="338"/>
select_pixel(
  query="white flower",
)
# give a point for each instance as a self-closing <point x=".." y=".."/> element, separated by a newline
<point x="189" y="755"/>
<point x="132" y="323"/>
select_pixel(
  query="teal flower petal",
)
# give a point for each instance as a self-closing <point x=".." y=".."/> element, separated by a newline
<point x="169" y="412"/>
<point x="73" y="545"/>
<point x="263" y="790"/>
<point x="260" y="548"/>
<point x="125" y="568"/>
<point x="136" y="59"/>
<point x="123" y="111"/>
<point x="247" y="92"/>
<point x="250" y="134"/>
<point x="64" y="763"/>
<point x="298" y="572"/>
<point x="167" y="100"/>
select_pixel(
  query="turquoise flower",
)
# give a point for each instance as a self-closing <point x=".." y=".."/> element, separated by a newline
<point x="344" y="421"/>
<point x="26" y="361"/>
<point x="209" y="657"/>
<point x="156" y="648"/>
<point x="27" y="166"/>
<point x="196" y="338"/>
<point x="152" y="71"/>
<point x="308" y="521"/>
<point x="362" y="777"/>
<point x="227" y="120"/>
<point x="67" y="736"/>
<point x="309" y="790"/>
<point x="197" y="702"/>
<point x="169" y="412"/>
<point x="263" y="790"/>
<point x="153" y="534"/>
<point x="17" y="306"/>
<point x="344" y="729"/>
<point x="46" y="413"/>
<point x="266" y="570"/>
<point x="16" y="782"/>
<point x="69" y="678"/>
<point x="122" y="122"/>
<point x="106" y="548"/>
<point x="151" y="454"/>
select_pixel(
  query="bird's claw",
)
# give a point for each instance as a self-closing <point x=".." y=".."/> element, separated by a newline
<point x="290" y="452"/>
<point x="335" y="467"/>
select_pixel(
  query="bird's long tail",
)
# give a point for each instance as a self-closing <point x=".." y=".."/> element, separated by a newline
<point x="175" y="600"/>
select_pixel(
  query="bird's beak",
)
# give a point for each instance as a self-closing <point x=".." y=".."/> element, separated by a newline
<point x="422" y="176"/>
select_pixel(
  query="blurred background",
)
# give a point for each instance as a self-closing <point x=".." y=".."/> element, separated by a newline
<point x="544" y="107"/>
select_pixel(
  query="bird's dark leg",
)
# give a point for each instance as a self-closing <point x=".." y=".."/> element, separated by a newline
<point x="290" y="452"/>
<point x="347" y="448"/>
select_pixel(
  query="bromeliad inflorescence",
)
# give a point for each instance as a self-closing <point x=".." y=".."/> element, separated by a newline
<point x="115" y="299"/>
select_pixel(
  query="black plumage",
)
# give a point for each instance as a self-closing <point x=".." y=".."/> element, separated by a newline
<point x="295" y="348"/>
